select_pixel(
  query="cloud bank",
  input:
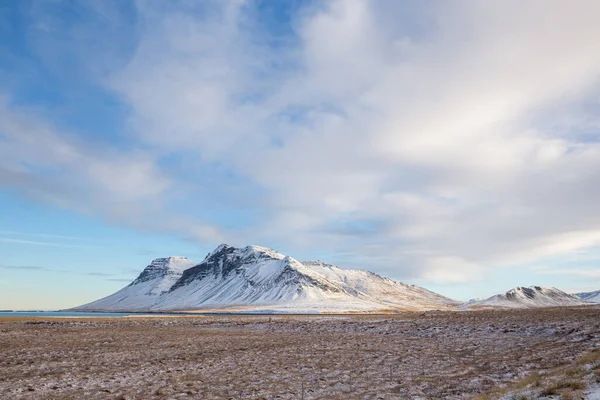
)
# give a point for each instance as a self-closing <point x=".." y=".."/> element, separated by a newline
<point x="431" y="141"/>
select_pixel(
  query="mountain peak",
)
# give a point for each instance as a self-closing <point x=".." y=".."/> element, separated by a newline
<point x="170" y="259"/>
<point x="164" y="266"/>
<point x="227" y="260"/>
<point x="258" y="276"/>
<point x="157" y="278"/>
<point x="225" y="251"/>
<point x="179" y="263"/>
<point x="264" y="280"/>
<point x="593" y="297"/>
<point x="529" y="297"/>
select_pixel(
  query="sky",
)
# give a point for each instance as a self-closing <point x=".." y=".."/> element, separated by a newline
<point x="453" y="145"/>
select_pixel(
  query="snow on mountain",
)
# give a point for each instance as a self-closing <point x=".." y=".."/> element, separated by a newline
<point x="528" y="297"/>
<point x="257" y="279"/>
<point x="367" y="284"/>
<point x="141" y="294"/>
<point x="593" y="297"/>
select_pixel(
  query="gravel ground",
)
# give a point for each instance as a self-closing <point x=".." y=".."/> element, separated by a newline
<point x="450" y="355"/>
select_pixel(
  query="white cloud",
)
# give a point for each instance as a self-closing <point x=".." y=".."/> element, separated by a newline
<point x="43" y="235"/>
<point x="439" y="137"/>
<point x="43" y="163"/>
<point x="33" y="149"/>
<point x="40" y="243"/>
<point x="592" y="274"/>
<point x="447" y="137"/>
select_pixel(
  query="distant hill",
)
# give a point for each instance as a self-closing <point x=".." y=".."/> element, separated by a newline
<point x="528" y="297"/>
<point x="593" y="297"/>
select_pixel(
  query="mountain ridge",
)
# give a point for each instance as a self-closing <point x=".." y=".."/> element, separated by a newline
<point x="593" y="297"/>
<point x="261" y="280"/>
<point x="528" y="297"/>
<point x="264" y="280"/>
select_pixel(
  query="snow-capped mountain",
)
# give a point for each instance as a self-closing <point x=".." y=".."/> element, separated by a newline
<point x="593" y="297"/>
<point x="528" y="297"/>
<point x="141" y="294"/>
<point x="257" y="279"/>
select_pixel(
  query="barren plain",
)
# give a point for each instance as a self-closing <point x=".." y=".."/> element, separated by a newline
<point x="433" y="355"/>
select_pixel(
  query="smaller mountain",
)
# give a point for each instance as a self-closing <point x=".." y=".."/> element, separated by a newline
<point x="528" y="297"/>
<point x="141" y="294"/>
<point x="593" y="297"/>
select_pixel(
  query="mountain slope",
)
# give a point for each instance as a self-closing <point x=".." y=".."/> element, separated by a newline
<point x="369" y="285"/>
<point x="257" y="279"/>
<point x="528" y="297"/>
<point x="141" y="294"/>
<point x="593" y="297"/>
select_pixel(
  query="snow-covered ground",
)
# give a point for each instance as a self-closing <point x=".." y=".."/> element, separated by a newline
<point x="593" y="393"/>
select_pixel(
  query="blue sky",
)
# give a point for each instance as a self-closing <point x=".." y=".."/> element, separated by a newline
<point x="453" y="146"/>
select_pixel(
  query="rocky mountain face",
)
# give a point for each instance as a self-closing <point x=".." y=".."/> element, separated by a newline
<point x="257" y="279"/>
<point x="593" y="297"/>
<point x="528" y="297"/>
<point x="163" y="273"/>
<point x="141" y="294"/>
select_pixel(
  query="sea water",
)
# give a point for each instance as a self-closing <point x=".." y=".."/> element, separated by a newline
<point x="71" y="314"/>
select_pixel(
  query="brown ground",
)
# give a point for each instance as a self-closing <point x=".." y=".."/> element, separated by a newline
<point x="407" y="356"/>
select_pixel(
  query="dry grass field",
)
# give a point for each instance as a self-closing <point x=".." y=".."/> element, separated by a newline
<point x="451" y="355"/>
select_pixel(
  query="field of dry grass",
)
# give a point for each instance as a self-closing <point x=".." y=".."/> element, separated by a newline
<point x="579" y="380"/>
<point x="407" y="356"/>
